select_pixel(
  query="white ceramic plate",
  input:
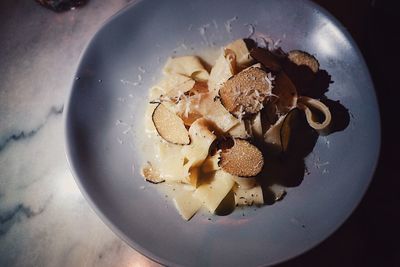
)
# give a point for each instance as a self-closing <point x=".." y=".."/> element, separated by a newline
<point x="104" y="127"/>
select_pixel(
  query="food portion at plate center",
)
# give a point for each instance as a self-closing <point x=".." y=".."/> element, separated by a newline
<point x="214" y="132"/>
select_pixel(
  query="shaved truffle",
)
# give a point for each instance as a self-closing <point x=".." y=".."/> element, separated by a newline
<point x="245" y="92"/>
<point x="151" y="175"/>
<point x="170" y="126"/>
<point x="303" y="58"/>
<point x="242" y="159"/>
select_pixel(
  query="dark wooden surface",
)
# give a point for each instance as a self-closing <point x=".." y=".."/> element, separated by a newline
<point x="370" y="237"/>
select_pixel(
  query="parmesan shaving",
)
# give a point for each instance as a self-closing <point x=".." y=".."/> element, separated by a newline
<point x="228" y="24"/>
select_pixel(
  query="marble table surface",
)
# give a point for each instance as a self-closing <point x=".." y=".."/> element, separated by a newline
<point x="44" y="219"/>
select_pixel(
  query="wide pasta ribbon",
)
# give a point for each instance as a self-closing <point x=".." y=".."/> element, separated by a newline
<point x="310" y="106"/>
<point x="189" y="66"/>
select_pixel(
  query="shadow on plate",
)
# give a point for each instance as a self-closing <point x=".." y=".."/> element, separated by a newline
<point x="287" y="168"/>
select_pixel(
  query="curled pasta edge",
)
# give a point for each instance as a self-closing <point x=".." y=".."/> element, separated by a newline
<point x="304" y="103"/>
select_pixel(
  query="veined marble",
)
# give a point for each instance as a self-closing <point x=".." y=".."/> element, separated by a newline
<point x="44" y="219"/>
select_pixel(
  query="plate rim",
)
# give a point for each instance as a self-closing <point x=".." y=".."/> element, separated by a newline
<point x="147" y="253"/>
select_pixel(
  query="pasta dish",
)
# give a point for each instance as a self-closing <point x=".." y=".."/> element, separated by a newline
<point x="215" y="128"/>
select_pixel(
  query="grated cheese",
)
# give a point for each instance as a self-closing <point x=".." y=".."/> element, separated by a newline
<point x="228" y="24"/>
